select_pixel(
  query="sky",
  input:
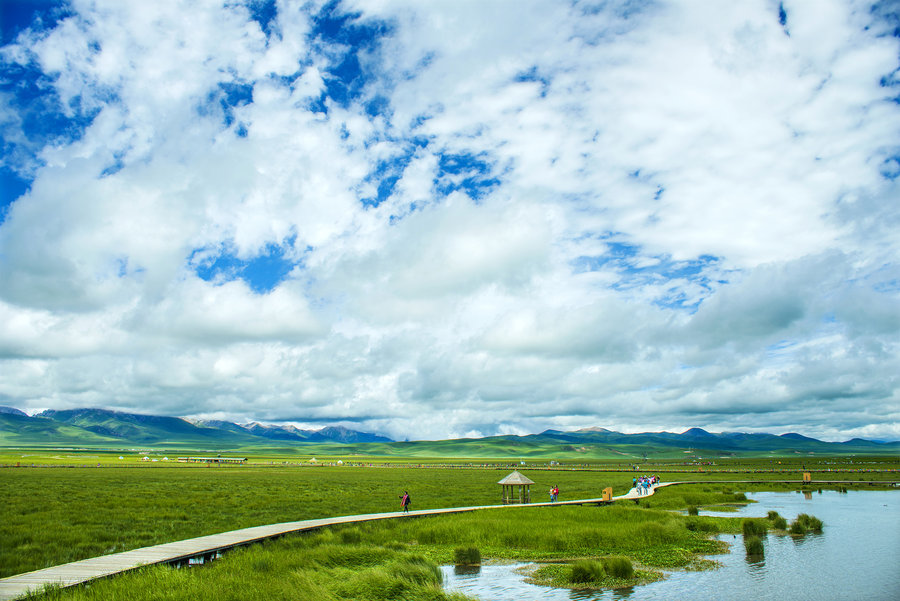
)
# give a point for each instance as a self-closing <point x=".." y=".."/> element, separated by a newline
<point x="455" y="218"/>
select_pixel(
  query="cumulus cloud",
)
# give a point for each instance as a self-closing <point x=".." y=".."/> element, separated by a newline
<point x="456" y="218"/>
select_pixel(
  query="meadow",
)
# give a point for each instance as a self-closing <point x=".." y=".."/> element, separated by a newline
<point x="397" y="559"/>
<point x="51" y="515"/>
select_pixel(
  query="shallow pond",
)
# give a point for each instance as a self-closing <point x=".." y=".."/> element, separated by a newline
<point x="856" y="557"/>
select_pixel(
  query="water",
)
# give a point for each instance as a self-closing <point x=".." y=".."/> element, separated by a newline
<point x="856" y="557"/>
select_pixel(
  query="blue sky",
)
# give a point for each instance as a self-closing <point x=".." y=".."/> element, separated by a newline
<point x="454" y="219"/>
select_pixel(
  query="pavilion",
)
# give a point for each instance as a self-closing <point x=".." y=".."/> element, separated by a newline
<point x="513" y="481"/>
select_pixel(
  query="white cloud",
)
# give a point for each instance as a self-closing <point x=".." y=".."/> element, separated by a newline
<point x="641" y="217"/>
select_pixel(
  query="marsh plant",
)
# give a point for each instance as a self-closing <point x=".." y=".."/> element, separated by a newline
<point x="618" y="566"/>
<point x="754" y="546"/>
<point x="591" y="571"/>
<point x="805" y="523"/>
<point x="753" y="528"/>
<point x="778" y="522"/>
<point x="693" y="510"/>
<point x="467" y="556"/>
<point x="587" y="571"/>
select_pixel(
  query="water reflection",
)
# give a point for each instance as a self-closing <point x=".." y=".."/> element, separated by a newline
<point x="467" y="570"/>
<point x="862" y="525"/>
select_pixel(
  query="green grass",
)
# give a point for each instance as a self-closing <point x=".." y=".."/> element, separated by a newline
<point x="50" y="516"/>
<point x="467" y="556"/>
<point x="754" y="546"/>
<point x="805" y="523"/>
<point x="752" y="527"/>
<point x="313" y="568"/>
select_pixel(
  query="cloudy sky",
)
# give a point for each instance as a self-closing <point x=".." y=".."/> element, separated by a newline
<point x="455" y="218"/>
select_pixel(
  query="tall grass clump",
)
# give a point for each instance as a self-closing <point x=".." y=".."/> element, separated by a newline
<point x="586" y="571"/>
<point x="805" y="523"/>
<point x="618" y="566"/>
<point x="778" y="522"/>
<point x="753" y="528"/>
<point x="753" y="545"/>
<point x="467" y="556"/>
<point x="692" y="510"/>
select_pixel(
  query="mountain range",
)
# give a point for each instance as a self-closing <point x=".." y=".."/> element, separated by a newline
<point x="101" y="428"/>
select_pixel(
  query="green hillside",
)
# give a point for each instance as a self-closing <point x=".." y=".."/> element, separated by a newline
<point x="103" y="429"/>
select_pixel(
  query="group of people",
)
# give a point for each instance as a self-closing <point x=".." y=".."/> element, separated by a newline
<point x="643" y="483"/>
<point x="554" y="493"/>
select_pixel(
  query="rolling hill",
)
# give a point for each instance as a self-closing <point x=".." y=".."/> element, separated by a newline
<point x="101" y="428"/>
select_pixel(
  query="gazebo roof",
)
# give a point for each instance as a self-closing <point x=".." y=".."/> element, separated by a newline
<point x="515" y="478"/>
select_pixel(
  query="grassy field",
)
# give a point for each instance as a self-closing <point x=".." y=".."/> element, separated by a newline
<point x="398" y="559"/>
<point x="53" y="515"/>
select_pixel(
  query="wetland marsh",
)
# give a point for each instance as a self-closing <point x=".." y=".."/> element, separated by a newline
<point x="94" y="511"/>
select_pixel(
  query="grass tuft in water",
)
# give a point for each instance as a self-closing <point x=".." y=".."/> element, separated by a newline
<point x="754" y="546"/>
<point x="467" y="556"/>
<point x="806" y="523"/>
<point x="692" y="510"/>
<point x="753" y="528"/>
<point x="586" y="571"/>
<point x="618" y="566"/>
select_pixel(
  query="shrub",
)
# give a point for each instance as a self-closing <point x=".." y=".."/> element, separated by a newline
<point x="618" y="566"/>
<point x="772" y="515"/>
<point x="467" y="556"/>
<point x="753" y="545"/>
<point x="692" y="510"/>
<point x="780" y="523"/>
<point x="739" y="496"/>
<point x="753" y="528"/>
<point x="585" y="570"/>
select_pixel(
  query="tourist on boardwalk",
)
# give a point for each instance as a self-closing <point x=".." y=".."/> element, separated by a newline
<point x="555" y="493"/>
<point x="404" y="501"/>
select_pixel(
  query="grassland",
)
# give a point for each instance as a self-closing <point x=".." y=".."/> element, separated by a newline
<point x="397" y="559"/>
<point x="52" y="515"/>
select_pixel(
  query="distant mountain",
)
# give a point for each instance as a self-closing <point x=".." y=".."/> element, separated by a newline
<point x="115" y="428"/>
<point x="135" y="428"/>
<point x="341" y="434"/>
<point x="277" y="432"/>
<point x="100" y="428"/>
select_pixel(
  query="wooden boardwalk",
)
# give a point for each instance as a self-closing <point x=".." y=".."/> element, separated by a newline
<point x="78" y="572"/>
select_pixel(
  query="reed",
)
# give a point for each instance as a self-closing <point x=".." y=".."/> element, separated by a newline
<point x="753" y="528"/>
<point x="618" y="566"/>
<point x="754" y="546"/>
<point x="586" y="571"/>
<point x="467" y="556"/>
<point x="806" y="523"/>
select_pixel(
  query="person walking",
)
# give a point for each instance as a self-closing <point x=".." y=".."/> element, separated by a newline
<point x="404" y="501"/>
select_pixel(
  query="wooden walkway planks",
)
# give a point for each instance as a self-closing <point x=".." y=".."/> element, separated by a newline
<point x="77" y="572"/>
